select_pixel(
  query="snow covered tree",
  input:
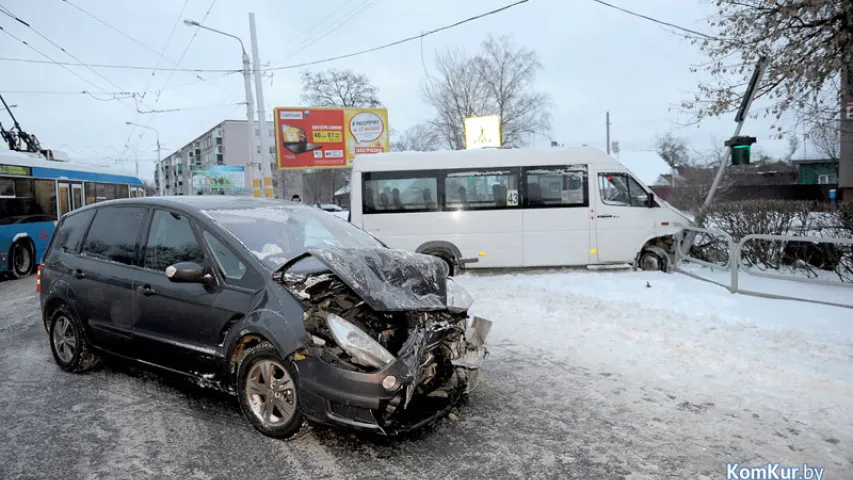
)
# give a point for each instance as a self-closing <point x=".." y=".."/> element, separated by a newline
<point x="808" y="43"/>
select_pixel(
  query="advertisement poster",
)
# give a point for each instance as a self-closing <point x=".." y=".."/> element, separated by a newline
<point x="328" y="137"/>
<point x="217" y="179"/>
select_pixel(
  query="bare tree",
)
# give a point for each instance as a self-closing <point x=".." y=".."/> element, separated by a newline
<point x="793" y="146"/>
<point x="499" y="80"/>
<point x="334" y="88"/>
<point x="673" y="150"/>
<point x="696" y="174"/>
<point x="418" y="138"/>
<point x="826" y="139"/>
<point x="338" y="88"/>
<point x="808" y="44"/>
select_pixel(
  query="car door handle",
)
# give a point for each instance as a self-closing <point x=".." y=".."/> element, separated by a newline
<point x="146" y="290"/>
<point x="79" y="273"/>
<point x="605" y="216"/>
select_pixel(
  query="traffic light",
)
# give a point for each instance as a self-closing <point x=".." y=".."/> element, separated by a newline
<point x="741" y="148"/>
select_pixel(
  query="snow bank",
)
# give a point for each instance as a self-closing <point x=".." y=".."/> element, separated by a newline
<point x="679" y="333"/>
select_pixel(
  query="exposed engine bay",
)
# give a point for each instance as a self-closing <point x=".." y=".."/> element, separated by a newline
<point x="434" y="353"/>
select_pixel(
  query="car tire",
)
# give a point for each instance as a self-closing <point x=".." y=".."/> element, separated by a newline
<point x="267" y="390"/>
<point x="68" y="344"/>
<point x="21" y="260"/>
<point x="652" y="260"/>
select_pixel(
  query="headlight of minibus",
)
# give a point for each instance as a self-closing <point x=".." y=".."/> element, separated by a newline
<point x="357" y="343"/>
<point x="458" y="299"/>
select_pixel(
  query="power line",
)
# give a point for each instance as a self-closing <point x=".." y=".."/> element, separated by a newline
<point x="661" y="22"/>
<point x="300" y="65"/>
<point x="22" y="22"/>
<point x="401" y="41"/>
<point x="125" y="67"/>
<point x="363" y="7"/>
<point x="124" y="34"/>
<point x="184" y="53"/>
<point x="367" y="5"/>
<point x="172" y="73"/>
<point x="154" y="71"/>
<point x="181" y="109"/>
<point x="312" y="27"/>
<point x="60" y="64"/>
<point x="129" y="94"/>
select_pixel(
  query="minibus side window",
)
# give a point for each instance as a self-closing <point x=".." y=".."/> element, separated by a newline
<point x="622" y="190"/>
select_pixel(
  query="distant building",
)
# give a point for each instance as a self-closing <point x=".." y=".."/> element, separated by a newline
<point x="817" y="171"/>
<point x="224" y="144"/>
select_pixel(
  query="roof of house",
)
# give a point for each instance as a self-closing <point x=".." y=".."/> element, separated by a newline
<point x="814" y="160"/>
<point x="647" y="166"/>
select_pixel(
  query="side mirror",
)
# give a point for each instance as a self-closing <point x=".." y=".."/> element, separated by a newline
<point x="188" y="272"/>
<point x="651" y="200"/>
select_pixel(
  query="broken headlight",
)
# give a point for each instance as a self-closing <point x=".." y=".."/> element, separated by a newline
<point x="353" y="340"/>
<point x="458" y="299"/>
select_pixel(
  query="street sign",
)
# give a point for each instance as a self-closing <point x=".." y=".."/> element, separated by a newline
<point x="482" y="132"/>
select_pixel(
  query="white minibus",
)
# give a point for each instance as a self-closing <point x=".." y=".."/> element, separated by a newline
<point x="499" y="208"/>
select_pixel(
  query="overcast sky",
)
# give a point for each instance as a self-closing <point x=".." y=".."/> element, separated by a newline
<point x="594" y="59"/>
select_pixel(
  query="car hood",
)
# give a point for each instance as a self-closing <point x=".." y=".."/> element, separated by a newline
<point x="386" y="279"/>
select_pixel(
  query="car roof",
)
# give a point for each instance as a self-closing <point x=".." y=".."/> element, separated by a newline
<point x="197" y="203"/>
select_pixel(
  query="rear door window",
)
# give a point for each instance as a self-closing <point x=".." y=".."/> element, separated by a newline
<point x="114" y="234"/>
<point x="171" y="240"/>
<point x="71" y="231"/>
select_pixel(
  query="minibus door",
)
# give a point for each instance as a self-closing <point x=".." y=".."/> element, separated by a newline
<point x="622" y="218"/>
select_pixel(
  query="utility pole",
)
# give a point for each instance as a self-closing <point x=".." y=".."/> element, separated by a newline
<point x="266" y="170"/>
<point x="250" y="116"/>
<point x="608" y="132"/>
<point x="253" y="177"/>
<point x="739" y="118"/>
<point x="845" y="162"/>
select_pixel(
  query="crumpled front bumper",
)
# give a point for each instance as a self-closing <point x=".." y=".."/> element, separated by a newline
<point x="333" y="395"/>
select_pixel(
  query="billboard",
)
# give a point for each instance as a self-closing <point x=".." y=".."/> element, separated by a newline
<point x="482" y="132"/>
<point x="218" y="179"/>
<point x="328" y="137"/>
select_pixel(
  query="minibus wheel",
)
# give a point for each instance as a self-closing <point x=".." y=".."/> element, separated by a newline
<point x="653" y="259"/>
<point x="446" y="257"/>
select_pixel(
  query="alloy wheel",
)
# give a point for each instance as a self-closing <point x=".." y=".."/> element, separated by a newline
<point x="64" y="339"/>
<point x="270" y="393"/>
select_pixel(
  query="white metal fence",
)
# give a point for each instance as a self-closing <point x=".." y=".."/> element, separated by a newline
<point x="765" y="257"/>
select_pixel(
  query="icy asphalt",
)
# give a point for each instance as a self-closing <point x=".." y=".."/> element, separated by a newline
<point x="535" y="415"/>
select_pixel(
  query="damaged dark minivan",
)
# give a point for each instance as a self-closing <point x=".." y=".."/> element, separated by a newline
<point x="295" y="311"/>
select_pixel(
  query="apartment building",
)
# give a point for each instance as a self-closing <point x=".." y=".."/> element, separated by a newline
<point x="225" y="144"/>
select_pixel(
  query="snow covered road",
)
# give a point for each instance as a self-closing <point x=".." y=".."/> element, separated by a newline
<point x="591" y="375"/>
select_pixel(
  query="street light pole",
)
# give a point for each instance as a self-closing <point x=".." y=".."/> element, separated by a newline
<point x="254" y="178"/>
<point x="157" y="133"/>
<point x="266" y="171"/>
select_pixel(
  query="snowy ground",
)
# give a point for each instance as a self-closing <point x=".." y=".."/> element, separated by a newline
<point x="591" y="375"/>
<point x="837" y="292"/>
